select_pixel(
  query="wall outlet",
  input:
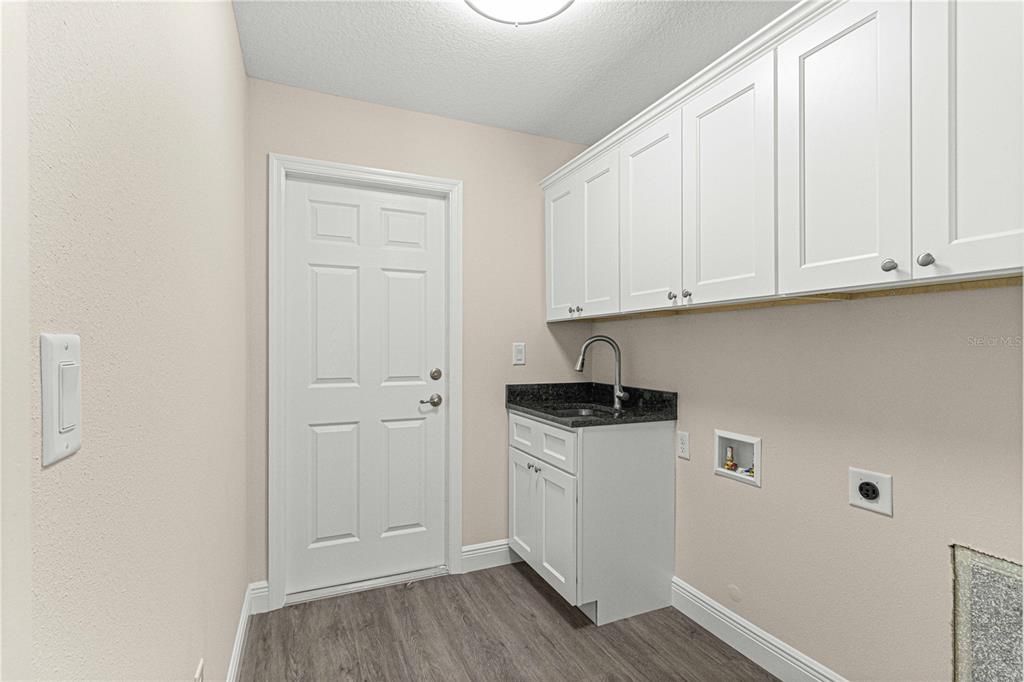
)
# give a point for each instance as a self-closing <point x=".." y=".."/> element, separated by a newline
<point x="683" y="444"/>
<point x="871" y="490"/>
<point x="198" y="677"/>
<point x="518" y="353"/>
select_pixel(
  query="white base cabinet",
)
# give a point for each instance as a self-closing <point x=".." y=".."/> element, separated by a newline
<point x="597" y="523"/>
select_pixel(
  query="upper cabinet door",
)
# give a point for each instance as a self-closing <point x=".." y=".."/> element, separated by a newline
<point x="651" y="224"/>
<point x="968" y="137"/>
<point x="729" y="187"/>
<point x="599" y="185"/>
<point x="844" y="149"/>
<point x="563" y="220"/>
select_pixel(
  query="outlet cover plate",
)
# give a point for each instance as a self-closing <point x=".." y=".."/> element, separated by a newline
<point x="683" y="444"/>
<point x="882" y="505"/>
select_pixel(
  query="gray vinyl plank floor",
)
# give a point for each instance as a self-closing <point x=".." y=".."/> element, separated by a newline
<point x="504" y="623"/>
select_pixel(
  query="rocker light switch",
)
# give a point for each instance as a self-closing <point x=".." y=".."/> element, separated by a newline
<point x="60" y="358"/>
<point x="70" y="395"/>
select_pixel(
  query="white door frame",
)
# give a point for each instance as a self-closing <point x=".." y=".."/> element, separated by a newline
<point x="281" y="169"/>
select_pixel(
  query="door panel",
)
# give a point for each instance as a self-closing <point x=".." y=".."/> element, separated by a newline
<point x="844" y="149"/>
<point x="556" y="495"/>
<point x="651" y="222"/>
<point x="968" y="136"/>
<point x="599" y="184"/>
<point x="364" y="274"/>
<point x="523" y="513"/>
<point x="729" y="187"/>
<point x="563" y="209"/>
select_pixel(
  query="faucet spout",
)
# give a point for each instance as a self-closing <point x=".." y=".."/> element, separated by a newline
<point x="620" y="394"/>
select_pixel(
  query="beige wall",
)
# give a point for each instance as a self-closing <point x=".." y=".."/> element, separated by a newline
<point x="136" y="152"/>
<point x="503" y="266"/>
<point x="891" y="385"/>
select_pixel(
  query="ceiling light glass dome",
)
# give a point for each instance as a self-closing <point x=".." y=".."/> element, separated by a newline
<point x="518" y="12"/>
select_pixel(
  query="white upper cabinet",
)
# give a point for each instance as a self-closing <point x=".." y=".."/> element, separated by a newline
<point x="582" y="218"/>
<point x="968" y="137"/>
<point x="844" y="150"/>
<point x="651" y="216"/>
<point x="599" y="185"/>
<point x="563" y="217"/>
<point x="729" y="187"/>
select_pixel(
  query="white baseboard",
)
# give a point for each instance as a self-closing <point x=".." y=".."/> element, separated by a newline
<point x="254" y="601"/>
<point x="767" y="651"/>
<point x="487" y="555"/>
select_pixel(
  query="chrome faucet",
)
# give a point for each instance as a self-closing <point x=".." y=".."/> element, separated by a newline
<point x="620" y="395"/>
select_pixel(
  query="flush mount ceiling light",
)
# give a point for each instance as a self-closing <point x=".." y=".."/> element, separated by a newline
<point x="519" y="12"/>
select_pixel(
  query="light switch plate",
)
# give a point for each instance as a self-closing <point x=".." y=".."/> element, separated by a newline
<point x="60" y="358"/>
<point x="518" y="353"/>
<point x="683" y="444"/>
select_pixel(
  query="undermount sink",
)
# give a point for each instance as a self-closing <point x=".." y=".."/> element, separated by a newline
<point x="584" y="412"/>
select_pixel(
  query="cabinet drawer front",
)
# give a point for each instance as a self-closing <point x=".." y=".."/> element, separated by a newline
<point x="547" y="443"/>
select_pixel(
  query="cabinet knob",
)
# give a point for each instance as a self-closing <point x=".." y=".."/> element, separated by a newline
<point x="579" y="309"/>
<point x="888" y="265"/>
<point x="672" y="296"/>
<point x="529" y="465"/>
<point x="571" y="310"/>
<point x="925" y="259"/>
<point x="687" y="293"/>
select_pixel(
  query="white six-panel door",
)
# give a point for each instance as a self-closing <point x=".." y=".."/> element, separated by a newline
<point x="729" y="187"/>
<point x="364" y="274"/>
<point x="968" y="136"/>
<point x="651" y="216"/>
<point x="844" y="149"/>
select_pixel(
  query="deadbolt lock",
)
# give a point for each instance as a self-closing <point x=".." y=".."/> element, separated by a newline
<point x="435" y="373"/>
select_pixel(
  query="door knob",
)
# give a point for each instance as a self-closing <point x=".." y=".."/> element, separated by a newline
<point x="434" y="400"/>
<point x="925" y="259"/>
<point x="889" y="265"/>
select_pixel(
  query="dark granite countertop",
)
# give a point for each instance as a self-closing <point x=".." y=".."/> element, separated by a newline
<point x="549" y="402"/>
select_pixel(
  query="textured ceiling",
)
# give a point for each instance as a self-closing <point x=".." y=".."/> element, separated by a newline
<point x="576" y="77"/>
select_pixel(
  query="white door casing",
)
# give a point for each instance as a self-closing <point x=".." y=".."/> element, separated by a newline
<point x="968" y="121"/>
<point x="844" y="149"/>
<point x="729" y="187"/>
<point x="364" y="303"/>
<point x="651" y="224"/>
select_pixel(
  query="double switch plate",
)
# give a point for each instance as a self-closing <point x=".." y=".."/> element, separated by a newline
<point x="61" y="382"/>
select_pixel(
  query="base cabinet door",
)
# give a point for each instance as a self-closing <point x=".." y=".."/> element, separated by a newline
<point x="729" y="187"/>
<point x="844" y="149"/>
<point x="968" y="109"/>
<point x="651" y="223"/>
<point x="556" y="500"/>
<point x="523" y="511"/>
